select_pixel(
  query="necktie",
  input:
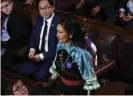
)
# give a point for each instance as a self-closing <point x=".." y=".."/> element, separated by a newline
<point x="43" y="36"/>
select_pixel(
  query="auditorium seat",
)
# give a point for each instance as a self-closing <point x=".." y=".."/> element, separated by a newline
<point x="103" y="38"/>
<point x="32" y="9"/>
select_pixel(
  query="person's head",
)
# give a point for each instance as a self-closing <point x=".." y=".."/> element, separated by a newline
<point x="17" y="87"/>
<point x="6" y="6"/>
<point x="70" y="32"/>
<point x="46" y="8"/>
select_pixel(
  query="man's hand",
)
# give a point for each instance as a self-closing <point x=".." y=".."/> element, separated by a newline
<point x="128" y="18"/>
<point x="37" y="57"/>
<point x="95" y="10"/>
<point x="122" y="15"/>
<point x="31" y="54"/>
<point x="80" y="4"/>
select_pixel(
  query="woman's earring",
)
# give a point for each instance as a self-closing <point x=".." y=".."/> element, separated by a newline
<point x="71" y="36"/>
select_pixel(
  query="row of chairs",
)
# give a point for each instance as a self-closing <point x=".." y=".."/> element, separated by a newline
<point x="103" y="35"/>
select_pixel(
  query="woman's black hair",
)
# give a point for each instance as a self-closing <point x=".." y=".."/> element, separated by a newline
<point x="7" y="86"/>
<point x="73" y="28"/>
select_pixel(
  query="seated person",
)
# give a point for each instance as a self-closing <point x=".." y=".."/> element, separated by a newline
<point x="43" y="43"/>
<point x="73" y="63"/>
<point x="104" y="10"/>
<point x="126" y="13"/>
<point x="16" y="28"/>
<point x="17" y="87"/>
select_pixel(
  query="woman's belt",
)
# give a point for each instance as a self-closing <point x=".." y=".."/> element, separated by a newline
<point x="71" y="83"/>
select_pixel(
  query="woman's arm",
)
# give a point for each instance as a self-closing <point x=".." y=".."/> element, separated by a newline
<point x="86" y="68"/>
<point x="52" y="70"/>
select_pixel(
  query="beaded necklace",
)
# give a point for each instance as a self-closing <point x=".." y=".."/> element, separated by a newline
<point x="67" y="59"/>
<point x="62" y="65"/>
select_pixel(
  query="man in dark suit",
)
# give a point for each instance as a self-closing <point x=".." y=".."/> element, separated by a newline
<point x="126" y="12"/>
<point x="104" y="10"/>
<point x="42" y="44"/>
<point x="16" y="29"/>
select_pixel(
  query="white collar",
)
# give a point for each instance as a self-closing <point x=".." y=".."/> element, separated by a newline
<point x="49" y="19"/>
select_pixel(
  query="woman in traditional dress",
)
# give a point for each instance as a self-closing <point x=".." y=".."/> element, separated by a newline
<point x="73" y="63"/>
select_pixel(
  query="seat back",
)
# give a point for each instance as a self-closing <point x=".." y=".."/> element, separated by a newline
<point x="32" y="9"/>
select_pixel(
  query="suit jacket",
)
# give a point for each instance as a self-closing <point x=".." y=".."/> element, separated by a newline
<point x="52" y="39"/>
<point x="19" y="26"/>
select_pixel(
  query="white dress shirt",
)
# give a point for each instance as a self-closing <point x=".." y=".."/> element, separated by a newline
<point x="130" y="6"/>
<point x="49" y="21"/>
<point x="5" y="36"/>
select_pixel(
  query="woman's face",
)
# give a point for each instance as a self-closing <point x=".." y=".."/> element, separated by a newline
<point x="20" y="89"/>
<point x="63" y="36"/>
<point x="6" y="7"/>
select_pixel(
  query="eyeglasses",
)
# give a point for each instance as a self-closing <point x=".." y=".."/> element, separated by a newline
<point x="45" y="9"/>
<point x="6" y="6"/>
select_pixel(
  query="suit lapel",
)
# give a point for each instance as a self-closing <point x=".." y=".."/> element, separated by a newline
<point x="40" y="26"/>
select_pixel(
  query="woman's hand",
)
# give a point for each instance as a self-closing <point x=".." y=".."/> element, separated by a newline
<point x="52" y="80"/>
<point x="49" y="83"/>
<point x="54" y="77"/>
